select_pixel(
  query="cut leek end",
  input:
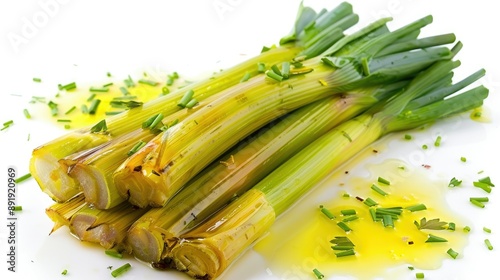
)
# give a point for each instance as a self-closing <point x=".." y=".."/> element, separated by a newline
<point x="53" y="178"/>
<point x="146" y="245"/>
<point x="61" y="213"/>
<point x="198" y="260"/>
<point x="98" y="188"/>
<point x="141" y="187"/>
<point x="83" y="227"/>
<point x="208" y="249"/>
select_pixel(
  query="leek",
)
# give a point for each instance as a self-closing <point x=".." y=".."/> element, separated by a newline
<point x="207" y="250"/>
<point x="52" y="175"/>
<point x="158" y="171"/>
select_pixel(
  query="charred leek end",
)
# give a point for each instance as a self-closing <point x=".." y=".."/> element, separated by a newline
<point x="50" y="174"/>
<point x="206" y="251"/>
<point x="52" y="177"/>
<point x="61" y="213"/>
<point x="107" y="228"/>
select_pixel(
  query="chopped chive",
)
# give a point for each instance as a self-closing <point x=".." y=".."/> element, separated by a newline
<point x="165" y="90"/>
<point x="122" y="269"/>
<point x="477" y="203"/>
<point x="64" y="272"/>
<point x="38" y="80"/>
<point x="193" y="102"/>
<point x="112" y="113"/>
<point x="175" y="75"/>
<point x="484" y="186"/>
<point x="387" y="221"/>
<point x="129" y="82"/>
<point x="419" y="275"/>
<point x="344" y="226"/>
<point x="69" y="86"/>
<point x="327" y="212"/>
<point x="125" y="104"/>
<point x="486" y="180"/>
<point x="246" y="77"/>
<point x="411" y="268"/>
<point x="93" y="106"/>
<point x="466" y="229"/>
<point x="124" y="91"/>
<point x="18" y="208"/>
<point x="8" y="123"/>
<point x="416" y="207"/>
<point x="488" y="244"/>
<point x="350" y="218"/>
<point x="26" y="114"/>
<point x="318" y="274"/>
<point x="408" y="137"/>
<point x="424" y="147"/>
<point x="463" y="159"/>
<point x="378" y="190"/>
<point x="156" y="121"/>
<point x="276" y="70"/>
<point x="285" y="69"/>
<point x="345" y="253"/>
<point x="365" y="66"/>
<point x="454" y="182"/>
<point x="70" y="110"/>
<point x="451" y="226"/>
<point x="170" y="81"/>
<point x="261" y="67"/>
<point x="342" y="241"/>
<point x="100" y="126"/>
<point x="91" y="97"/>
<point x="480" y="199"/>
<point x="107" y="85"/>
<point x="136" y="147"/>
<point x="186" y="98"/>
<point x="84" y="109"/>
<point x="147" y="123"/>
<point x="148" y="82"/>
<point x="348" y="212"/>
<point x="373" y="214"/>
<point x="67" y="126"/>
<point x="437" y="143"/>
<point x="113" y="253"/>
<point x="108" y="74"/>
<point x="53" y="108"/>
<point x="383" y="181"/>
<point x="346" y="195"/>
<point x="99" y="89"/>
<point x="370" y="202"/>
<point x="452" y="253"/>
<point x="433" y="238"/>
<point x="271" y="74"/>
<point x="64" y="120"/>
<point x="342" y="247"/>
<point x="485" y="229"/>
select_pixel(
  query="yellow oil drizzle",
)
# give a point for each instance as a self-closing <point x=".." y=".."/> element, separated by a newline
<point x="300" y="241"/>
<point x="66" y="100"/>
<point x="480" y="114"/>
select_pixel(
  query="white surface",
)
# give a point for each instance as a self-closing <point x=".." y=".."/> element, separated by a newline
<point x="195" y="37"/>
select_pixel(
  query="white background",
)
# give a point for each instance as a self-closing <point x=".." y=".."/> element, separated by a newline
<point x="194" y="38"/>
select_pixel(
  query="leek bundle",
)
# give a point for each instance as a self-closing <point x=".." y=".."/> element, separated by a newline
<point x="52" y="174"/>
<point x="239" y="169"/>
<point x="206" y="251"/>
<point x="155" y="173"/>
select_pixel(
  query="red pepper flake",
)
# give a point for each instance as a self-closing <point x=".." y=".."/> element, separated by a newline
<point x="375" y="151"/>
<point x="426" y="166"/>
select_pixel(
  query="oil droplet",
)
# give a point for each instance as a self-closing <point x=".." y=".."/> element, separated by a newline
<point x="480" y="114"/>
<point x="294" y="251"/>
